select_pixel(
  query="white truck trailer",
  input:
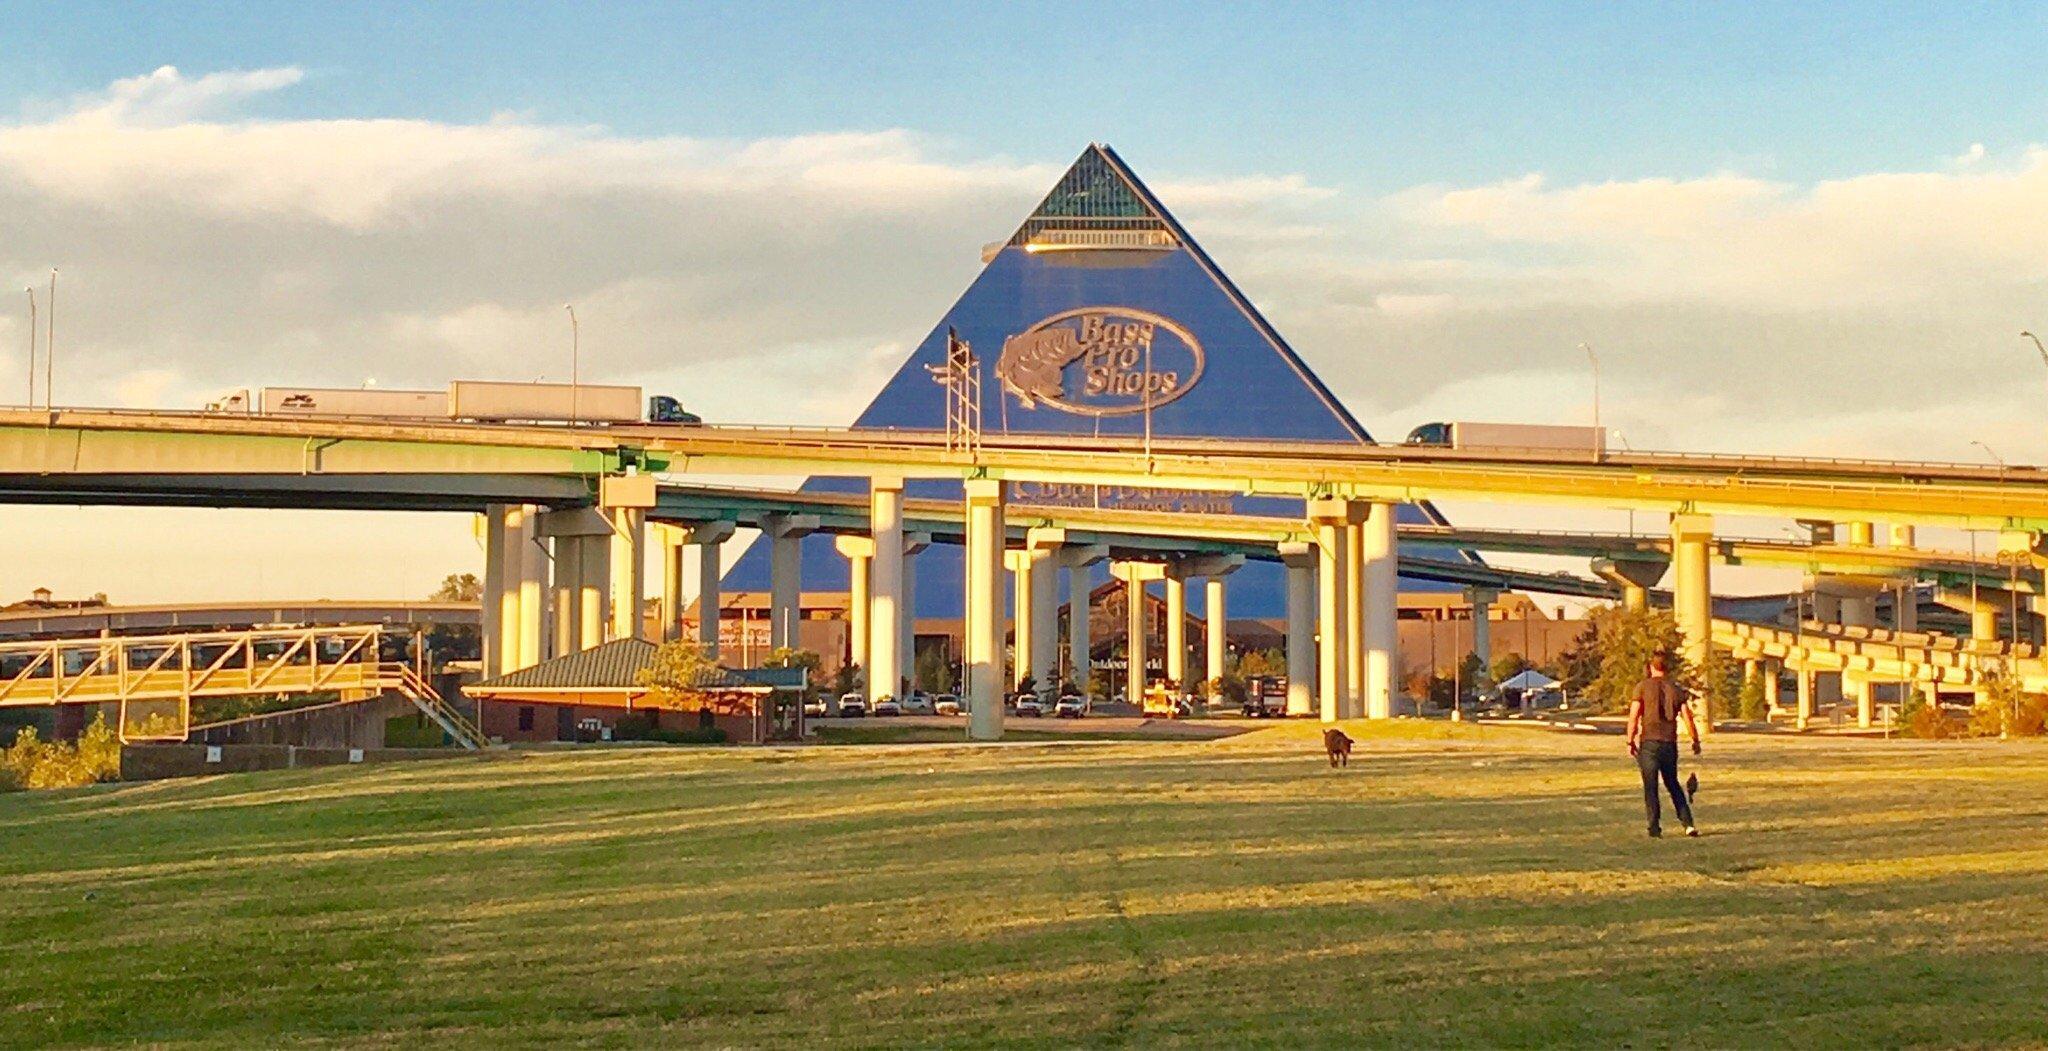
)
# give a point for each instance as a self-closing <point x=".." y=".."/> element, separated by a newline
<point x="543" y="402"/>
<point x="478" y="400"/>
<point x="1464" y="435"/>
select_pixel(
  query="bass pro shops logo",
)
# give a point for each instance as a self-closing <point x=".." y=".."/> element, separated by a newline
<point x="1101" y="361"/>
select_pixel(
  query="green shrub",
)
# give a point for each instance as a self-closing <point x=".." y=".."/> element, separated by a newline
<point x="1754" y="706"/>
<point x="35" y="763"/>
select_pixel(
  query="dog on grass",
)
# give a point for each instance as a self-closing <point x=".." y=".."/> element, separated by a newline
<point x="1338" y="745"/>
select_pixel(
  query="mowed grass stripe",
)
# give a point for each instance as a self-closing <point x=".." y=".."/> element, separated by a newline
<point x="1456" y="885"/>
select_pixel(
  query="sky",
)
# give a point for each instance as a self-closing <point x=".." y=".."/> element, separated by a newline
<point x="1781" y="229"/>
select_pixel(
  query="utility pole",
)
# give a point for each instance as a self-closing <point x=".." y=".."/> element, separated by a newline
<point x="1595" y="360"/>
<point x="50" y="347"/>
<point x="575" y="366"/>
<point x="31" y="346"/>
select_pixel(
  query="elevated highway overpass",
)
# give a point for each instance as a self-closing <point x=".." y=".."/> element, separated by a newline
<point x="513" y="472"/>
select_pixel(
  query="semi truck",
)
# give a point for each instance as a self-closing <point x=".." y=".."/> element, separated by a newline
<point x="1511" y="436"/>
<point x="483" y="401"/>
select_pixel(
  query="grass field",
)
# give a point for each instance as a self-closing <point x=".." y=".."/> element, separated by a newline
<point x="1476" y="886"/>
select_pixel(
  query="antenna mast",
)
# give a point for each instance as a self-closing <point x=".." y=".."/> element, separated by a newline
<point x="961" y="376"/>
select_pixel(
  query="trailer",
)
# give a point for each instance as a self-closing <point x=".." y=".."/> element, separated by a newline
<point x="481" y="401"/>
<point x="343" y="401"/>
<point x="498" y="402"/>
<point x="1468" y="435"/>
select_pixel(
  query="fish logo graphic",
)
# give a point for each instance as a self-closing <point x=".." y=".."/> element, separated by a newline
<point x="1100" y="361"/>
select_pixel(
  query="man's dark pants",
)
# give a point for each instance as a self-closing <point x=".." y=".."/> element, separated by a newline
<point x="1659" y="759"/>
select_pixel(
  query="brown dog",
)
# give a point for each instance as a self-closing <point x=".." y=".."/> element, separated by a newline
<point x="1338" y="744"/>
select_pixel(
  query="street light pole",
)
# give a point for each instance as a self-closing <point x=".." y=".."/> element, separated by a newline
<point x="575" y="366"/>
<point x="1601" y="440"/>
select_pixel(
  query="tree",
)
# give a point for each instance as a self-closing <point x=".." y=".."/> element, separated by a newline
<point x="1262" y="664"/>
<point x="674" y="677"/>
<point x="457" y="641"/>
<point x="1620" y="643"/>
<point x="934" y="671"/>
<point x="1507" y="666"/>
<point x="459" y="587"/>
<point x="790" y="657"/>
<point x="1755" y="707"/>
<point x="848" y="679"/>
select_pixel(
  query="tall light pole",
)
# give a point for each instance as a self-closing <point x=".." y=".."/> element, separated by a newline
<point x="31" y="346"/>
<point x="1988" y="451"/>
<point x="575" y="365"/>
<point x="1600" y="442"/>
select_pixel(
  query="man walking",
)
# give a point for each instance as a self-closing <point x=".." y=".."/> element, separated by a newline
<point x="1653" y="717"/>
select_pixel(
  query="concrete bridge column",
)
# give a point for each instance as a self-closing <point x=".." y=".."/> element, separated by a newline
<point x="1382" y="613"/>
<point x="581" y="538"/>
<point x="1482" y="600"/>
<point x="1023" y="590"/>
<point x="1176" y="665"/>
<point x="533" y="591"/>
<point x="1216" y="635"/>
<point x="629" y="572"/>
<point x="1211" y="569"/>
<point x="593" y="593"/>
<point x="1984" y="624"/>
<point x="1693" y="597"/>
<point x="1635" y="577"/>
<point x="984" y="608"/>
<point x="906" y="642"/>
<point x="1077" y="558"/>
<point x="516" y="532"/>
<point x="493" y="615"/>
<point x="879" y="632"/>
<point x="1042" y="548"/>
<point x="568" y="577"/>
<point x="1333" y="520"/>
<point x="709" y="539"/>
<point x="1135" y="575"/>
<point x="672" y="562"/>
<point x="1353" y="704"/>
<point x="785" y="535"/>
<point x="1804" y="714"/>
<point x="1772" y="669"/>
<point x="1300" y="560"/>
<point x="859" y="552"/>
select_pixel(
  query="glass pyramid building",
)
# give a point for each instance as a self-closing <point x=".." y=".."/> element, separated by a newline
<point x="1100" y="316"/>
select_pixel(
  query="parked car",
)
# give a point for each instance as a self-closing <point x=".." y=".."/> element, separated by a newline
<point x="1029" y="706"/>
<point x="816" y="708"/>
<point x="946" y="704"/>
<point x="888" y="706"/>
<point x="918" y="703"/>
<point x="1072" y="706"/>
<point x="852" y="705"/>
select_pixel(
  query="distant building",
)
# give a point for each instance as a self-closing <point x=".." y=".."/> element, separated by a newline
<point x="43" y="598"/>
<point x="585" y="695"/>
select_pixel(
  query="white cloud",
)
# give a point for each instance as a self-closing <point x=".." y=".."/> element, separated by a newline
<point x="783" y="278"/>
<point x="167" y="96"/>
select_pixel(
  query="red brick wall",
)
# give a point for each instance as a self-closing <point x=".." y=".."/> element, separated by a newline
<point x="500" y="719"/>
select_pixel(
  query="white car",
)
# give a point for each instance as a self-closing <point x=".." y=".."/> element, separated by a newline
<point x="1029" y="706"/>
<point x="1072" y="706"/>
<point x="887" y="706"/>
<point x="917" y="704"/>
<point x="946" y="704"/>
<point x="816" y="709"/>
<point x="853" y="705"/>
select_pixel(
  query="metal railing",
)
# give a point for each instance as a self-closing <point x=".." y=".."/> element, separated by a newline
<point x="154" y="678"/>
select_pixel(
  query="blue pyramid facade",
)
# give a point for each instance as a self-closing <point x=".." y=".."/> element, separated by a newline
<point x="1100" y="316"/>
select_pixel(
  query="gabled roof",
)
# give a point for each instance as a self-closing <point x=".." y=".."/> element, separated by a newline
<point x="617" y="665"/>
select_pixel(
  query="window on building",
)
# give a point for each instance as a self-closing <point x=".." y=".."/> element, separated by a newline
<point x="526" y="717"/>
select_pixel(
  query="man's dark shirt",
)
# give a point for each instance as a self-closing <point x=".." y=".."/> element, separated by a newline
<point x="1661" y="699"/>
